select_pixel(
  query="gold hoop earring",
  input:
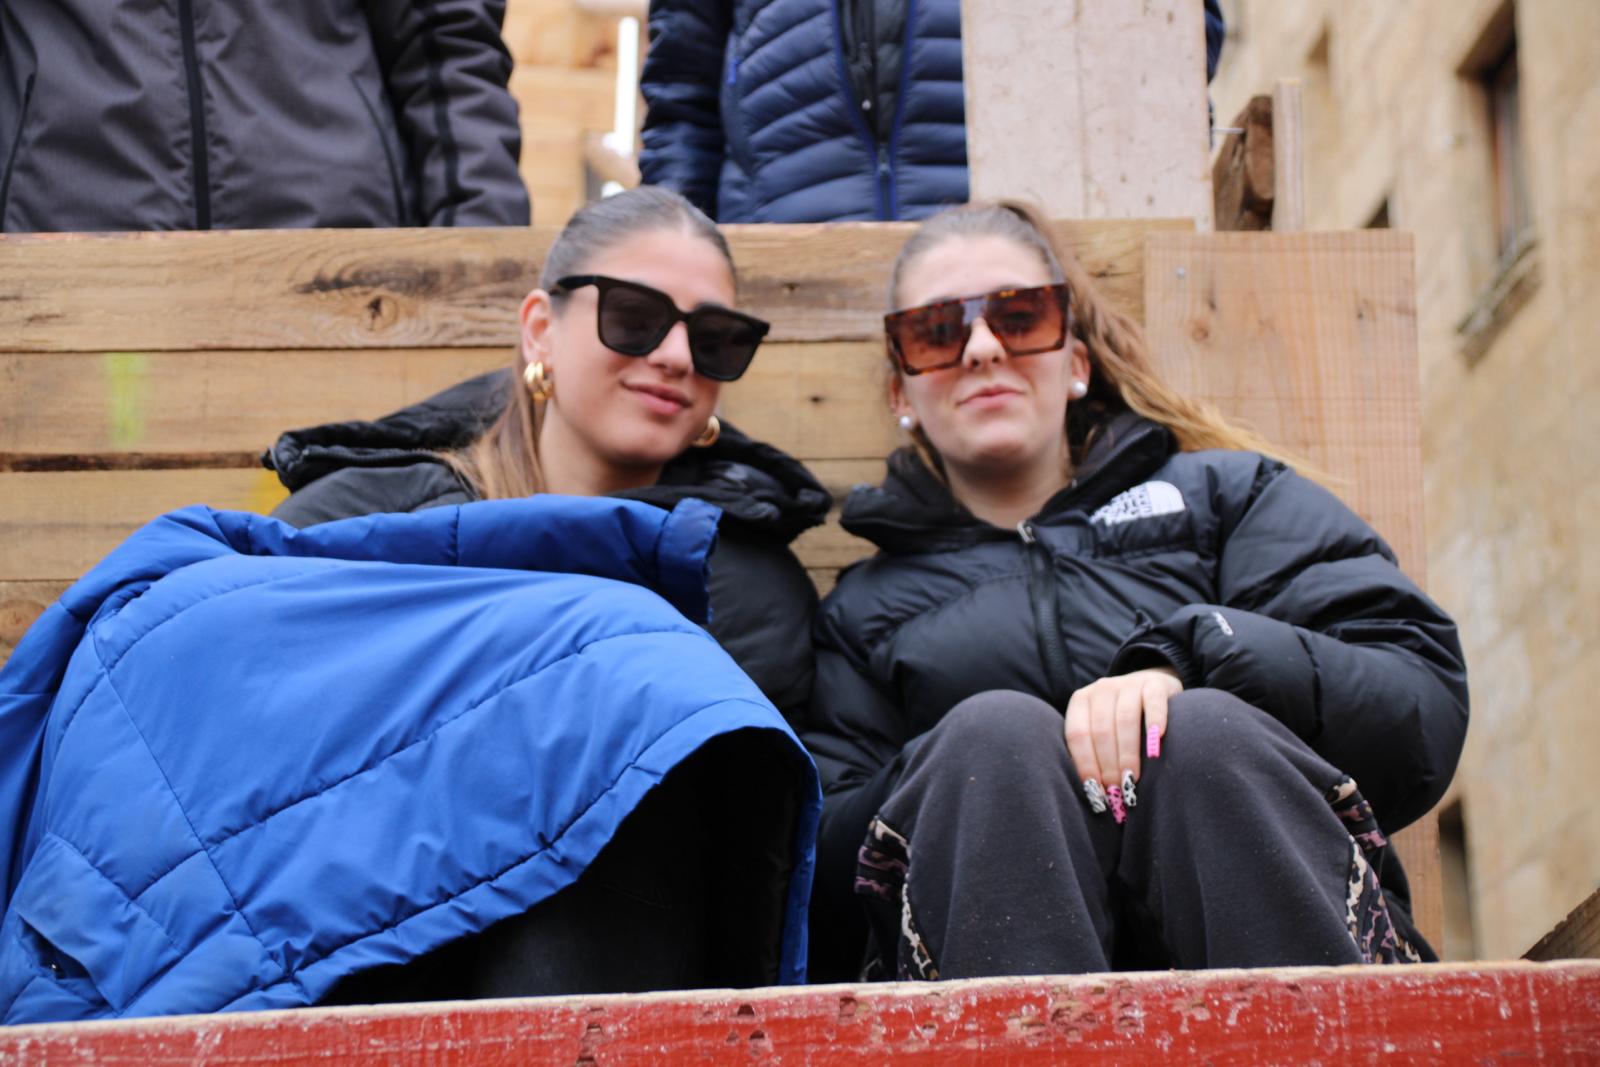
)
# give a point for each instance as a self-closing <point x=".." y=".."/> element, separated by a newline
<point x="709" y="435"/>
<point x="541" y="383"/>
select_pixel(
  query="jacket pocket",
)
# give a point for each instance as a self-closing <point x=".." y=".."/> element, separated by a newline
<point x="80" y="931"/>
<point x="13" y="148"/>
<point x="388" y="139"/>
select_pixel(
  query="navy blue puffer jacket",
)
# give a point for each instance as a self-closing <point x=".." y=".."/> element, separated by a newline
<point x="812" y="110"/>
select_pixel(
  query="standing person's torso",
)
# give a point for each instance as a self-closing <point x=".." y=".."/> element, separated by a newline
<point x="103" y="105"/>
<point x="842" y="110"/>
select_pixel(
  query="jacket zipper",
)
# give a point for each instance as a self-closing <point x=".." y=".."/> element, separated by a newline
<point x="883" y="179"/>
<point x="200" y="167"/>
<point x="1046" y="619"/>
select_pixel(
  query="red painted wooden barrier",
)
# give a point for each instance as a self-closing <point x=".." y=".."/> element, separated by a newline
<point x="1480" y="1013"/>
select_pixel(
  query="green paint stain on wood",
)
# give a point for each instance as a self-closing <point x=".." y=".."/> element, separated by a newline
<point x="126" y="377"/>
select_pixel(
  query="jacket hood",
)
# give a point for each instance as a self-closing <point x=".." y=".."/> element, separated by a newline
<point x="914" y="512"/>
<point x="760" y="489"/>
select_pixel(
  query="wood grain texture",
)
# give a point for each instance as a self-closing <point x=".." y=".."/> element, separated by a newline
<point x="1445" y="1015"/>
<point x="823" y="400"/>
<point x="1107" y="69"/>
<point x="1575" y="937"/>
<point x="1241" y="178"/>
<point x="72" y="403"/>
<point x="20" y="604"/>
<point x="55" y="526"/>
<point x="323" y="289"/>
<point x="1312" y="340"/>
<point x="1288" y="158"/>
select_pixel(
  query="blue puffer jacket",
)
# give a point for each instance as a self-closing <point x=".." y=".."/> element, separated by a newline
<point x="813" y="110"/>
<point x="780" y="135"/>
<point x="240" y="761"/>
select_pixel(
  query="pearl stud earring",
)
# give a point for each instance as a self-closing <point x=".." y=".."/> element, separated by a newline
<point x="1080" y="390"/>
<point x="907" y="423"/>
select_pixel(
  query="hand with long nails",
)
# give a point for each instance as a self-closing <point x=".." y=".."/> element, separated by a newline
<point x="1110" y="726"/>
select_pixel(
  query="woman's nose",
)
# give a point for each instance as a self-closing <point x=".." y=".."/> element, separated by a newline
<point x="982" y="346"/>
<point x="672" y="354"/>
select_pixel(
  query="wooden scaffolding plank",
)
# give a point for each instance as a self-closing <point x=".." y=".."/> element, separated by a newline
<point x="1575" y="937"/>
<point x="55" y="525"/>
<point x="438" y="288"/>
<point x="79" y="410"/>
<point x="1312" y="340"/>
<point x="1491" y="1013"/>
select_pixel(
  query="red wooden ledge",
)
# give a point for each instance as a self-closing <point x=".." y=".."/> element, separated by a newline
<point x="1481" y="1013"/>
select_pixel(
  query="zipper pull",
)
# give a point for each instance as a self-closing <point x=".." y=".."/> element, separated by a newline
<point x="1025" y="530"/>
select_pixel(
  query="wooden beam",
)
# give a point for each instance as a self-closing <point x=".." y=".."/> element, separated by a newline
<point x="1093" y="109"/>
<point x="1241" y="180"/>
<point x="1509" y="1012"/>
<point x="442" y="288"/>
<point x="1288" y="158"/>
<point x="1575" y="937"/>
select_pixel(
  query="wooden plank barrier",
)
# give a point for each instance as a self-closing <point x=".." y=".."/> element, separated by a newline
<point x="1446" y="1015"/>
<point x="144" y="372"/>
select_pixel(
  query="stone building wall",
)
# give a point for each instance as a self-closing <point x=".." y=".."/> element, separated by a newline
<point x="1395" y="120"/>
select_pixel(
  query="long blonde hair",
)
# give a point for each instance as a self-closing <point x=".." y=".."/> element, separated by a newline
<point x="504" y="462"/>
<point x="1123" y="378"/>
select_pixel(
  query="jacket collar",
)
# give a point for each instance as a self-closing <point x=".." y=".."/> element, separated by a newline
<point x="759" y="488"/>
<point x="913" y="511"/>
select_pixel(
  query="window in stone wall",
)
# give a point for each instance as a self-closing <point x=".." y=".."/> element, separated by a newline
<point x="1504" y="247"/>
<point x="1502" y="88"/>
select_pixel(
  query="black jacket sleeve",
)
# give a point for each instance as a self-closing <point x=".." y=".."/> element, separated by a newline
<point x="762" y="604"/>
<point x="447" y="69"/>
<point x="1316" y="625"/>
<point x="682" y="141"/>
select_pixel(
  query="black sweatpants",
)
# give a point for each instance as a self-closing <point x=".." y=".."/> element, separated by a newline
<point x="689" y="893"/>
<point x="1246" y="849"/>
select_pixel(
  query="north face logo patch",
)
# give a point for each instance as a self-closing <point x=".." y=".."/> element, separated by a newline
<point x="1140" y="502"/>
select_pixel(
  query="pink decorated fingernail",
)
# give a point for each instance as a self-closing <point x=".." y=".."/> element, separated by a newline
<point x="1114" y="798"/>
<point x="1152" y="742"/>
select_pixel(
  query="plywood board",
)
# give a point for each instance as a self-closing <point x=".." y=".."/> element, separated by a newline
<point x="1093" y="109"/>
<point x="419" y="288"/>
<point x="1446" y="1015"/>
<point x="1312" y="340"/>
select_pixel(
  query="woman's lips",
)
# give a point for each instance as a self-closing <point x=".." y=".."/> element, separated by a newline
<point x="990" y="396"/>
<point x="660" y="399"/>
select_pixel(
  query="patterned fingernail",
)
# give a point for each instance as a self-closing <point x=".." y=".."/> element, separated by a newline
<point x="1152" y="742"/>
<point x="1114" y="798"/>
<point x="1095" y="796"/>
<point x="1129" y="797"/>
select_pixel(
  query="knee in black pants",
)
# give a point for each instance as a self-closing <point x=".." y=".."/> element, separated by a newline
<point x="1000" y="726"/>
<point x="1214" y="738"/>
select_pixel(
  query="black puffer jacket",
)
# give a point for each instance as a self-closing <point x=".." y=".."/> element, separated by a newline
<point x="1228" y="567"/>
<point x="232" y="114"/>
<point x="762" y="601"/>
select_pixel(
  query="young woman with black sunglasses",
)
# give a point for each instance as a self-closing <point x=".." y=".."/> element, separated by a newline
<point x="1120" y="689"/>
<point x="623" y="350"/>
